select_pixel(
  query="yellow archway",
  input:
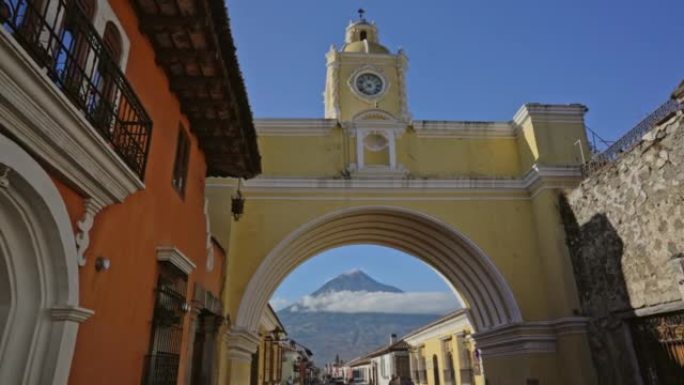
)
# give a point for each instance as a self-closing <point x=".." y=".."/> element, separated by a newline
<point x="457" y="258"/>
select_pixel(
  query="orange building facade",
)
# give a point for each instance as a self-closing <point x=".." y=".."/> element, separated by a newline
<point x="112" y="114"/>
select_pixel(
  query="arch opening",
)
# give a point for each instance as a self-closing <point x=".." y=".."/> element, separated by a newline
<point x="466" y="267"/>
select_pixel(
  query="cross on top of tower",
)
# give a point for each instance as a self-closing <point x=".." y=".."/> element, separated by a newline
<point x="361" y="12"/>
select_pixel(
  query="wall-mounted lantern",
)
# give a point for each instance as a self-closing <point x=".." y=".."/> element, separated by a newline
<point x="237" y="204"/>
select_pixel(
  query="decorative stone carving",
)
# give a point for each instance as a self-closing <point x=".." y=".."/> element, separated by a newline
<point x="4" y="175"/>
<point x="84" y="225"/>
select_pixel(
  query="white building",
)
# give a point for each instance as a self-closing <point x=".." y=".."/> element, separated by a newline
<point x="383" y="365"/>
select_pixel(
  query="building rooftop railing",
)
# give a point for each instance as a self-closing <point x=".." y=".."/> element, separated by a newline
<point x="632" y="137"/>
<point x="61" y="39"/>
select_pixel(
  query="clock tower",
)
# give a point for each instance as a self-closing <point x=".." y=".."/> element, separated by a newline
<point x="365" y="91"/>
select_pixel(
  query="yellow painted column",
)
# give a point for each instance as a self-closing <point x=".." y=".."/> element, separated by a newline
<point x="239" y="372"/>
<point x="523" y="369"/>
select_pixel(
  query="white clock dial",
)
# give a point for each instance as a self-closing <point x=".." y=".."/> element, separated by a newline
<point x="369" y="84"/>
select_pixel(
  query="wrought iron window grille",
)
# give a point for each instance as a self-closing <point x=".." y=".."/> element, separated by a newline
<point x="161" y="365"/>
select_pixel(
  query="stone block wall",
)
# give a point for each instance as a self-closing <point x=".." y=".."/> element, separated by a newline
<point x="625" y="233"/>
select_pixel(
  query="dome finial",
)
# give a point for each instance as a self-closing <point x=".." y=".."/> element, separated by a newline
<point x="361" y="12"/>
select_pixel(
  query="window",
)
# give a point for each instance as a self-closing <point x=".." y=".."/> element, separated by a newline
<point x="435" y="369"/>
<point x="362" y="36"/>
<point x="180" y="166"/>
<point x="113" y="42"/>
<point x="163" y="359"/>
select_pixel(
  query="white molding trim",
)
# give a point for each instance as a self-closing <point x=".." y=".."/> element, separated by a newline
<point x="174" y="256"/>
<point x="463" y="129"/>
<point x="71" y="313"/>
<point x="550" y="113"/>
<point x="241" y="344"/>
<point x="295" y="127"/>
<point x="458" y="259"/>
<point x="43" y="120"/>
<point x="535" y="179"/>
<point x="527" y="337"/>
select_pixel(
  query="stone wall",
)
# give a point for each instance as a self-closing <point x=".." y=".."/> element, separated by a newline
<point x="625" y="233"/>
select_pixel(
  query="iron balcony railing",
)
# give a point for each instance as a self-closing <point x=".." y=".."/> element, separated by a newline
<point x="632" y="137"/>
<point x="61" y="39"/>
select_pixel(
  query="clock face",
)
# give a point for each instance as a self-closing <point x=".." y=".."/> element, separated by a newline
<point x="369" y="84"/>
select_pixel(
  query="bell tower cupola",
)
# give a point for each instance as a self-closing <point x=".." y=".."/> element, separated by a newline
<point x="362" y="36"/>
<point x="364" y="75"/>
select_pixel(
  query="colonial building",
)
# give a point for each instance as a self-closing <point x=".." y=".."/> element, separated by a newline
<point x="444" y="352"/>
<point x="112" y="114"/>
<point x="267" y="365"/>
<point x="478" y="201"/>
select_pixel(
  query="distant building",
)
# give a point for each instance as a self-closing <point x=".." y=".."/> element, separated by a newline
<point x="443" y="352"/>
<point x="361" y="370"/>
<point x="382" y="366"/>
<point x="267" y="363"/>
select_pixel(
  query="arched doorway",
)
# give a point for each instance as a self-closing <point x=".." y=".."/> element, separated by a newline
<point x="39" y="312"/>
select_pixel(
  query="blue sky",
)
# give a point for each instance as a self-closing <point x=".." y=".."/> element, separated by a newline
<point x="474" y="59"/>
<point x="383" y="264"/>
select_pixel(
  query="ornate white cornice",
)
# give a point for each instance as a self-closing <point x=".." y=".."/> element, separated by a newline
<point x="174" y="256"/>
<point x="550" y="113"/>
<point x="43" y="120"/>
<point x="241" y="344"/>
<point x="70" y="313"/>
<point x="463" y="130"/>
<point x="527" y="337"/>
<point x="295" y="127"/>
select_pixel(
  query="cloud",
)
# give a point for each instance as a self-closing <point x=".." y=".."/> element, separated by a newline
<point x="379" y="302"/>
<point x="279" y="303"/>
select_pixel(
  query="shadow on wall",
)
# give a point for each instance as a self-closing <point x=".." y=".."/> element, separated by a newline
<point x="596" y="251"/>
